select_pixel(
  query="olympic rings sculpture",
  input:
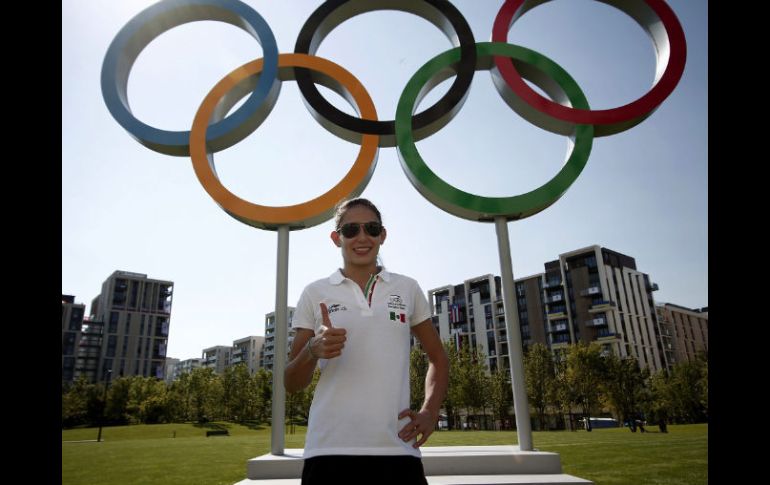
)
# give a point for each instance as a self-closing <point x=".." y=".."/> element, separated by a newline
<point x="568" y="112"/>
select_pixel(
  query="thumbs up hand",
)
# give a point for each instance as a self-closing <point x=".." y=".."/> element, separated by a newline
<point x="329" y="341"/>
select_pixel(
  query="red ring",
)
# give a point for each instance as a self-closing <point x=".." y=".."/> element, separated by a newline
<point x="608" y="121"/>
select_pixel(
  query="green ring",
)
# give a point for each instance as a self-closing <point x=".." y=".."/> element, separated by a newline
<point x="476" y="207"/>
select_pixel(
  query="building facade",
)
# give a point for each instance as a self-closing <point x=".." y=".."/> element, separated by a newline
<point x="72" y="315"/>
<point x="171" y="364"/>
<point x="686" y="332"/>
<point x="472" y="314"/>
<point x="248" y="350"/>
<point x="590" y="294"/>
<point x="217" y="358"/>
<point x="184" y="367"/>
<point x="268" y="353"/>
<point x="606" y="300"/>
<point x="136" y="313"/>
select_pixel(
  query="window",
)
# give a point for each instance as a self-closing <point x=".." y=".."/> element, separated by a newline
<point x="75" y="320"/>
<point x="113" y="325"/>
<point x="112" y="342"/>
<point x="134" y="293"/>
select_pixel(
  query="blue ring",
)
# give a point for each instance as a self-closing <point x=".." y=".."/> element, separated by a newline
<point x="164" y="16"/>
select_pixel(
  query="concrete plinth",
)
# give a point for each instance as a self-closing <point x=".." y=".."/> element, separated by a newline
<point x="443" y="465"/>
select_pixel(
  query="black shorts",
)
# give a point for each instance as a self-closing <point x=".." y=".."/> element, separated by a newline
<point x="399" y="469"/>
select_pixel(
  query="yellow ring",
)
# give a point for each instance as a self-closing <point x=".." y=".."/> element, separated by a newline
<point x="308" y="213"/>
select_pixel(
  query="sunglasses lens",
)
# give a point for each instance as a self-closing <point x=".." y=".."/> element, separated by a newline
<point x="350" y="230"/>
<point x="373" y="228"/>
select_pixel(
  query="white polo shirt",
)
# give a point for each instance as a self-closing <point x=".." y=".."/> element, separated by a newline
<point x="360" y="393"/>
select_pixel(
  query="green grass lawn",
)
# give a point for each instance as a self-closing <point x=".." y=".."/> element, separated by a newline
<point x="151" y="455"/>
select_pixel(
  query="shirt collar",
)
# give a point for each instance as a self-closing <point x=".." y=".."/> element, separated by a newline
<point x="337" y="277"/>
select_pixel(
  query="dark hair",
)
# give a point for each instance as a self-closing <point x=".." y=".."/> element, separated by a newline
<point x="343" y="206"/>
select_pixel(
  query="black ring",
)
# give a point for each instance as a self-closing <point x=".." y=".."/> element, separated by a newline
<point x="440" y="13"/>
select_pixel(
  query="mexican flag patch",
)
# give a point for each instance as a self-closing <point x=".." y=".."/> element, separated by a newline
<point x="398" y="317"/>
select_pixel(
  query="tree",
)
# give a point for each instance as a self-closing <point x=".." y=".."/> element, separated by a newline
<point x="474" y="387"/>
<point x="146" y="401"/>
<point x="118" y="398"/>
<point x="624" y="387"/>
<point x="686" y="390"/>
<point x="584" y="375"/>
<point x="180" y="399"/>
<point x="299" y="402"/>
<point x="660" y="405"/>
<point x="263" y="385"/>
<point x="562" y="394"/>
<point x="540" y="379"/>
<point x="206" y="394"/>
<point x="238" y="393"/>
<point x="452" y="400"/>
<point x="418" y="369"/>
<point x="80" y="404"/>
<point x="703" y="382"/>
<point x="501" y="396"/>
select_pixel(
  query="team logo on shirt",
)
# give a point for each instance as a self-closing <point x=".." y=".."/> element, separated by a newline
<point x="335" y="308"/>
<point x="396" y="309"/>
<point x="395" y="302"/>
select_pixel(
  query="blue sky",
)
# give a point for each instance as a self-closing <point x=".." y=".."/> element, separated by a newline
<point x="643" y="192"/>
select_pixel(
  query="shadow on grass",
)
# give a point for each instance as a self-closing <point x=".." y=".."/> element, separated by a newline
<point x="253" y="425"/>
<point x="213" y="426"/>
<point x="225" y="426"/>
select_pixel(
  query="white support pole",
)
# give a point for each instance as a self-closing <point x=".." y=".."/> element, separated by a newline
<point x="281" y="338"/>
<point x="520" y="404"/>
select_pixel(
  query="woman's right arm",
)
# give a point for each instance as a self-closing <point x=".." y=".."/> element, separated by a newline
<point x="299" y="371"/>
<point x="308" y="348"/>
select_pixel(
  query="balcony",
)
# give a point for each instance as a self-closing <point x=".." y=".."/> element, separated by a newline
<point x="562" y="327"/>
<point x="552" y="284"/>
<point x="605" y="333"/>
<point x="560" y="339"/>
<point x="591" y="291"/>
<point x="555" y="298"/>
<point x="596" y="322"/>
<point x="557" y="315"/>
<point x="601" y="306"/>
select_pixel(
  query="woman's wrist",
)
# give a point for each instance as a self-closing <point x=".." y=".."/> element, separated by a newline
<point x="309" y="347"/>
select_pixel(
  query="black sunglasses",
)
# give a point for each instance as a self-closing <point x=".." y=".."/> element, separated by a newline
<point x="351" y="229"/>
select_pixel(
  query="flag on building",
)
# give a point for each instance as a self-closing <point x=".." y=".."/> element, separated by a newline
<point x="454" y="314"/>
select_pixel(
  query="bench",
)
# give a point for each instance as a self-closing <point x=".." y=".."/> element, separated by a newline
<point x="216" y="432"/>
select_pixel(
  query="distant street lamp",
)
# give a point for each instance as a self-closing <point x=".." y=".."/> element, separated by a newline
<point x="104" y="404"/>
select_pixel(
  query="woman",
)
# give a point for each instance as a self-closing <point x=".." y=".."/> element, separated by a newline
<point x="356" y="326"/>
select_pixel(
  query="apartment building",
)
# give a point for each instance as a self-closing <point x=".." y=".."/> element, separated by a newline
<point x="248" y="350"/>
<point x="589" y="294"/>
<point x="72" y="315"/>
<point x="472" y="314"/>
<point x="609" y="301"/>
<point x="171" y="364"/>
<point x="217" y="358"/>
<point x="268" y="353"/>
<point x="136" y="313"/>
<point x="184" y="367"/>
<point x="685" y="332"/>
